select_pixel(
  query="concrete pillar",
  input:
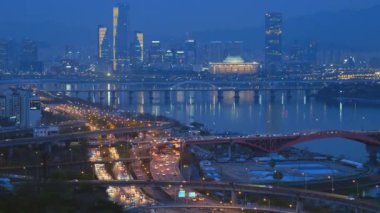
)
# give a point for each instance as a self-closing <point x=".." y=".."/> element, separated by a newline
<point x="113" y="98"/>
<point x="288" y="93"/>
<point x="307" y="93"/>
<point x="47" y="148"/>
<point x="230" y="151"/>
<point x="299" y="206"/>
<point x="220" y="95"/>
<point x="10" y="153"/>
<point x="234" y="199"/>
<point x="151" y="95"/>
<point x="256" y="93"/>
<point x="45" y="153"/>
<point x="167" y="95"/>
<point x="130" y="96"/>
<point x="237" y="95"/>
<point x="272" y="94"/>
<point x="101" y="97"/>
<point x="89" y="96"/>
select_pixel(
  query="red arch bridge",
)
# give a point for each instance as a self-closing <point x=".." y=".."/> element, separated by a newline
<point x="277" y="143"/>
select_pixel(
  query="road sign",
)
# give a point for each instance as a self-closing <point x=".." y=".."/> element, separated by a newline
<point x="181" y="194"/>
<point x="192" y="194"/>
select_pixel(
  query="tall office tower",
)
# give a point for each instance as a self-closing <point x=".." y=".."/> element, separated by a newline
<point x="140" y="39"/>
<point x="169" y="57"/>
<point x="311" y="53"/>
<point x="155" y="53"/>
<point x="235" y="48"/>
<point x="191" y="52"/>
<point x="120" y="37"/>
<point x="29" y="50"/>
<point x="273" y="43"/>
<point x="4" y="55"/>
<point x="103" y="44"/>
<point x="216" y="51"/>
<point x="29" y="57"/>
<point x="180" y="57"/>
<point x="137" y="49"/>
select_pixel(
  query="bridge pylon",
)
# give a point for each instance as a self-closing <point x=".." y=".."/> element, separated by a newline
<point x="237" y="94"/>
<point x="299" y="205"/>
<point x="220" y="95"/>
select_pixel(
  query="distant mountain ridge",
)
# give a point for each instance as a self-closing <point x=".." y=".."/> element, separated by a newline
<point x="351" y="29"/>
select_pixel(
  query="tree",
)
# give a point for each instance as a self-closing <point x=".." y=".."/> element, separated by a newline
<point x="277" y="175"/>
<point x="272" y="163"/>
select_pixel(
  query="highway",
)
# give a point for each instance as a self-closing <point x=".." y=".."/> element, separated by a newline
<point x="71" y="136"/>
<point x="74" y="163"/>
<point x="210" y="206"/>
<point x="249" y="188"/>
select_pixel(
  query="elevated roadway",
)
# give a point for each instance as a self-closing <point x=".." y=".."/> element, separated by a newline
<point x="296" y="194"/>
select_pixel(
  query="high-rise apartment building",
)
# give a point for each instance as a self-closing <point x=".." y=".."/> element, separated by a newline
<point x="21" y="106"/>
<point x="273" y="43"/>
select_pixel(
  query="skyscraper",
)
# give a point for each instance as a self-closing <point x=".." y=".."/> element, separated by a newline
<point x="273" y="43"/>
<point x="138" y="48"/>
<point x="29" y="51"/>
<point x="120" y="37"/>
<point x="29" y="57"/>
<point x="234" y="48"/>
<point x="216" y="51"/>
<point x="191" y="52"/>
<point x="4" y="55"/>
<point x="103" y="44"/>
<point x="155" y="53"/>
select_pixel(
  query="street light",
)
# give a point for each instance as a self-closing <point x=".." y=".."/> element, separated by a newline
<point x="332" y="183"/>
<point x="305" y="176"/>
<point x="357" y="187"/>
<point x="265" y="200"/>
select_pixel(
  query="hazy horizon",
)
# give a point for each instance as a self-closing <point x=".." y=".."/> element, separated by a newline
<point x="167" y="17"/>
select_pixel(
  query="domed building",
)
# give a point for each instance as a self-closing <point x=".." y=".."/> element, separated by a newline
<point x="234" y="65"/>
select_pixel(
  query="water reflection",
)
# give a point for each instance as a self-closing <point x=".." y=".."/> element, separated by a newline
<point x="251" y="113"/>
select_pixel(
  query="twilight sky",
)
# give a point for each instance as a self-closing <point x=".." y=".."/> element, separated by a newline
<point x="167" y="17"/>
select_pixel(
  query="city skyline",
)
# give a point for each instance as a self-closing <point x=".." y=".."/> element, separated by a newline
<point x="190" y="106"/>
<point x="150" y="21"/>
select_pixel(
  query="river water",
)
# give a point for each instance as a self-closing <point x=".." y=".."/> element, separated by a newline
<point x="262" y="113"/>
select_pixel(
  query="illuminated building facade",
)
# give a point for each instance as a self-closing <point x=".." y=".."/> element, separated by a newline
<point x="140" y="39"/>
<point x="137" y="49"/>
<point x="103" y="45"/>
<point x="234" y="65"/>
<point x="273" y="43"/>
<point x="120" y="37"/>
